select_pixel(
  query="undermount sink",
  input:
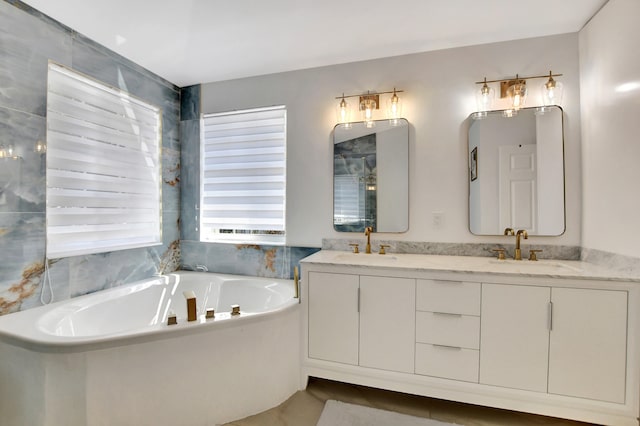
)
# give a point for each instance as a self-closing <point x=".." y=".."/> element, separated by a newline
<point x="369" y="259"/>
<point x="550" y="265"/>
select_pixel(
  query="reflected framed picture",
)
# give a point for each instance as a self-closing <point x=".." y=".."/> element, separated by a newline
<point x="474" y="164"/>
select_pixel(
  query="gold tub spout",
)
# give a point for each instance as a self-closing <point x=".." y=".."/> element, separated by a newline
<point x="192" y="314"/>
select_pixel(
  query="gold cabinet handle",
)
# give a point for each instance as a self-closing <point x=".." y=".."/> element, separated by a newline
<point x="355" y="248"/>
<point x="382" y="247"/>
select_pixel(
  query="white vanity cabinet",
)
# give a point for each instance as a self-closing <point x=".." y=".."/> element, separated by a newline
<point x="515" y="336"/>
<point x="588" y="344"/>
<point x="387" y="323"/>
<point x="565" y="341"/>
<point x="362" y="320"/>
<point x="333" y="317"/>
<point x="562" y="344"/>
<point x="448" y="329"/>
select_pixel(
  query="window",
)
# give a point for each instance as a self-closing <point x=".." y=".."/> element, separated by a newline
<point x="243" y="176"/>
<point x="349" y="202"/>
<point x="103" y="167"/>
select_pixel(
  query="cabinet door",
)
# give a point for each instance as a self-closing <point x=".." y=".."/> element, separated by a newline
<point x="587" y="356"/>
<point x="387" y="323"/>
<point x="333" y="317"/>
<point x="514" y="342"/>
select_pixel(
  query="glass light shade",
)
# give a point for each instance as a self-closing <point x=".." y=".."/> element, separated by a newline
<point x="366" y="107"/>
<point x="484" y="97"/>
<point x="508" y="113"/>
<point x="518" y="95"/>
<point x="394" y="108"/>
<point x="552" y="92"/>
<point x="343" y="113"/>
<point x="41" y="147"/>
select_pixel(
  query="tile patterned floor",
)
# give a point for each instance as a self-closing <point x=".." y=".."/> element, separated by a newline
<point x="304" y="408"/>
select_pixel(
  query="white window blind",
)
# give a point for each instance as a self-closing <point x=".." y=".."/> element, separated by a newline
<point x="243" y="176"/>
<point x="348" y="200"/>
<point x="103" y="167"/>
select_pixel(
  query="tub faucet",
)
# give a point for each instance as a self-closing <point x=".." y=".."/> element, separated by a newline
<point x="518" y="253"/>
<point x="367" y="231"/>
<point x="202" y="268"/>
<point x="192" y="314"/>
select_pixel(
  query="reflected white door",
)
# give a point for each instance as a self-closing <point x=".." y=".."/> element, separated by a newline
<point x="517" y="187"/>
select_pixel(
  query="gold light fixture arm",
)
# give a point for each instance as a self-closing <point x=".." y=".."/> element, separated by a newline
<point x="372" y="94"/>
<point x="510" y="79"/>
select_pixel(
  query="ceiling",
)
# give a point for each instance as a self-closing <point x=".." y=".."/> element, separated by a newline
<point x="199" y="41"/>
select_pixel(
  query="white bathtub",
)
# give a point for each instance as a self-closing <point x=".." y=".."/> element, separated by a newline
<point x="110" y="358"/>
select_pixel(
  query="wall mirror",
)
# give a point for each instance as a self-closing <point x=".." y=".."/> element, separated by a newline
<point x="516" y="172"/>
<point x="371" y="176"/>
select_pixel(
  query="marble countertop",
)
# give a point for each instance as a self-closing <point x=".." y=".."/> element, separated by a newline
<point x="424" y="262"/>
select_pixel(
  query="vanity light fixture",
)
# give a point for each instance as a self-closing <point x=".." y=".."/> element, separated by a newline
<point x="367" y="104"/>
<point x="8" y="151"/>
<point x="344" y="113"/>
<point x="484" y="100"/>
<point x="516" y="90"/>
<point x="552" y="91"/>
<point x="40" y="147"/>
<point x="394" y="108"/>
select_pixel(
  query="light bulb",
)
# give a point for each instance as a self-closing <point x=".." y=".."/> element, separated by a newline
<point x="367" y="105"/>
<point x="518" y="93"/>
<point x="343" y="113"/>
<point x="394" y="108"/>
<point x="41" y="147"/>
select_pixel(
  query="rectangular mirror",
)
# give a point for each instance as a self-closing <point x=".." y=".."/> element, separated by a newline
<point x="371" y="176"/>
<point x="516" y="172"/>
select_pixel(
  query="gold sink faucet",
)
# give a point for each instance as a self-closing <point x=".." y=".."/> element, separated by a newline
<point x="518" y="253"/>
<point x="509" y="231"/>
<point x="367" y="231"/>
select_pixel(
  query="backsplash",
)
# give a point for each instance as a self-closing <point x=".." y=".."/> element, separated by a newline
<point x="453" y="249"/>
<point x="244" y="259"/>
<point x="627" y="264"/>
<point x="29" y="40"/>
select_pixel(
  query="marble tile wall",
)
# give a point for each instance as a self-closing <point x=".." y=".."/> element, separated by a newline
<point x="28" y="40"/>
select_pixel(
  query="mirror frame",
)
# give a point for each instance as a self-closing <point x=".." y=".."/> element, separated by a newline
<point x="470" y="178"/>
<point x="401" y="196"/>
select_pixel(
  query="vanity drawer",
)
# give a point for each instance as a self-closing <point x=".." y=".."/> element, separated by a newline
<point x="447" y="362"/>
<point x="454" y="297"/>
<point x="448" y="329"/>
